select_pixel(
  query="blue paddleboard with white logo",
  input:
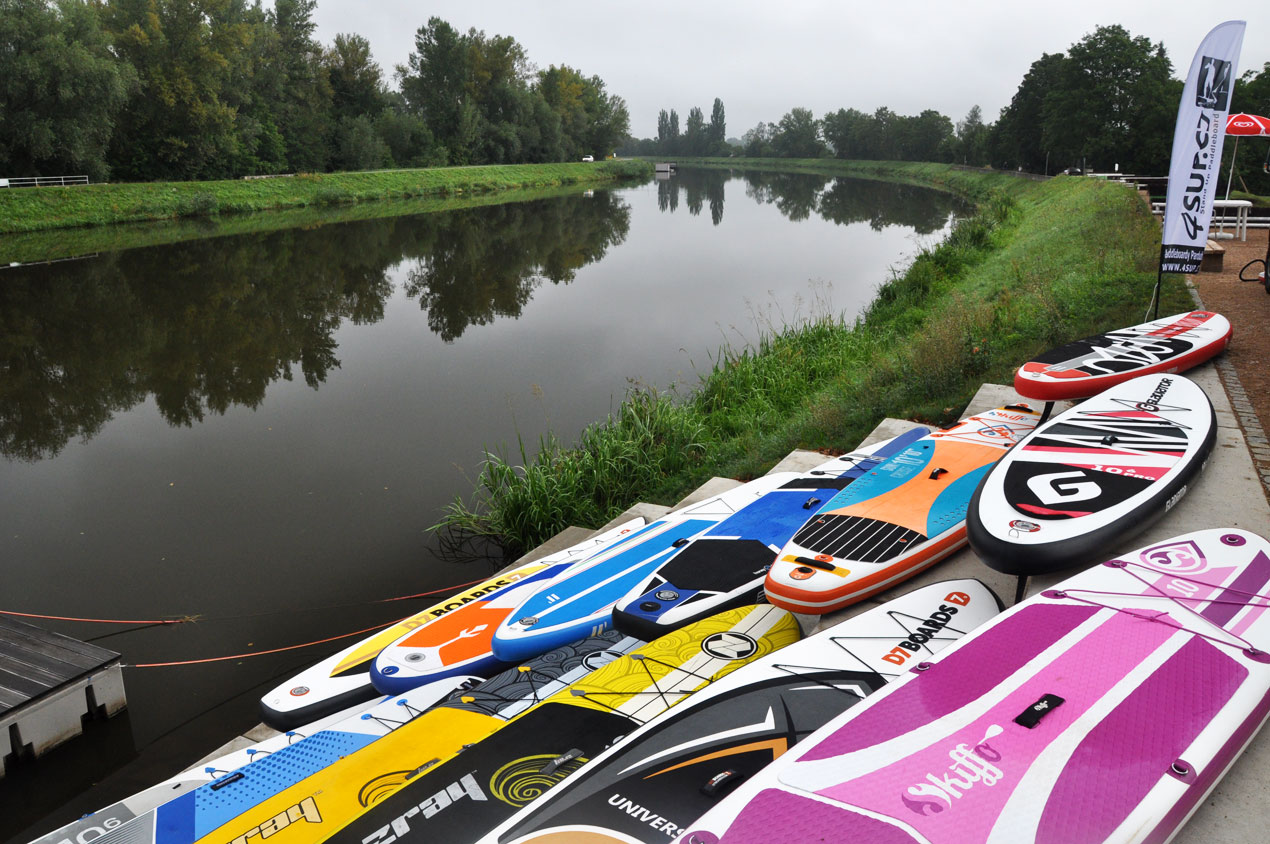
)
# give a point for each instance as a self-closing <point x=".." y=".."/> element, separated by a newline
<point x="724" y="567"/>
<point x="580" y="602"/>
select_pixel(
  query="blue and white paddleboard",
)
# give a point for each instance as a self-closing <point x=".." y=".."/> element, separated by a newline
<point x="580" y="602"/>
<point x="724" y="567"/>
<point x="458" y="642"/>
<point x="96" y="824"/>
<point x="187" y="815"/>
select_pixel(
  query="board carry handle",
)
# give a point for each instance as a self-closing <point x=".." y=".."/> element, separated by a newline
<point x="561" y="760"/>
<point x="934" y="475"/>
<point x="808" y="561"/>
<point x="722" y="782"/>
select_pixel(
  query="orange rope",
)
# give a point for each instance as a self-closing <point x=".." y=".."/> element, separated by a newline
<point x="262" y="653"/>
<point x="187" y="618"/>
<point x="100" y="620"/>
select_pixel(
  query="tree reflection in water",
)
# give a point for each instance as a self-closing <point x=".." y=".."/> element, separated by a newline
<point x="799" y="195"/>
<point x="208" y="324"/>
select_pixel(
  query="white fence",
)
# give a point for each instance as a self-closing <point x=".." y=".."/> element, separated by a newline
<point x="42" y="181"/>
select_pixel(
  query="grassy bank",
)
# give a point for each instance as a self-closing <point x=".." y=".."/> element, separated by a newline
<point x="1041" y="263"/>
<point x="54" y="244"/>
<point x="36" y="209"/>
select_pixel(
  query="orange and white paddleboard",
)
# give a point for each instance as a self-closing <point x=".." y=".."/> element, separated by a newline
<point x="903" y="516"/>
<point x="344" y="678"/>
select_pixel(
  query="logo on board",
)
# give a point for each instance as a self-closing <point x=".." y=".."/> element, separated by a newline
<point x="730" y="645"/>
<point x="971" y="765"/>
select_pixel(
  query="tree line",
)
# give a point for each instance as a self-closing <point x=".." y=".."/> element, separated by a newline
<point x="1110" y="101"/>
<point x="698" y="138"/>
<point x="206" y="89"/>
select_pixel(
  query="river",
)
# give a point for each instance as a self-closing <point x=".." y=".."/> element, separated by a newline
<point x="256" y="431"/>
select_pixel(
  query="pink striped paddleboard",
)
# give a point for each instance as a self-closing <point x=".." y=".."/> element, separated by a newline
<point x="1102" y="710"/>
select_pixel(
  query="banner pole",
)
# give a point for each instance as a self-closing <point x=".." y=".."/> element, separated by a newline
<point x="1159" y="281"/>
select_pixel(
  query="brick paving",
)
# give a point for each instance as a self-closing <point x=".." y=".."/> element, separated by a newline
<point x="1245" y="367"/>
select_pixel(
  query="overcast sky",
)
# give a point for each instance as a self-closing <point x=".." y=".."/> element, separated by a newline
<point x="764" y="58"/>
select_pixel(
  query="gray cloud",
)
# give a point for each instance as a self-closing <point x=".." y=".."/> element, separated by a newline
<point x="762" y="59"/>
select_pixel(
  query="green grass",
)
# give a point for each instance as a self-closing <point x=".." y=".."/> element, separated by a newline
<point x="51" y="244"/>
<point x="1256" y="200"/>
<point x="37" y="209"/>
<point x="1041" y="263"/>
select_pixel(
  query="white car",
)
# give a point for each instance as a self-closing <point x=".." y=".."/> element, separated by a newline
<point x="588" y="158"/>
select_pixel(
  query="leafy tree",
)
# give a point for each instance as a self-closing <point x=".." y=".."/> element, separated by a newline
<point x="357" y="85"/>
<point x="757" y="142"/>
<point x="1016" y="139"/>
<point x="434" y="83"/>
<point x="610" y="120"/>
<point x="497" y="88"/>
<point x="61" y="89"/>
<point x="845" y="130"/>
<point x="542" y="138"/>
<point x="972" y="139"/>
<point x="303" y="111"/>
<point x="562" y="89"/>
<point x="179" y="125"/>
<point x="358" y="146"/>
<point x="591" y="121"/>
<point x="1251" y="94"/>
<point x="798" y="135"/>
<point x="717" y="131"/>
<point x="926" y="136"/>
<point x="253" y="87"/>
<point x="695" y="136"/>
<point x="1110" y="93"/>
<point x="673" y="133"/>
<point x="406" y="135"/>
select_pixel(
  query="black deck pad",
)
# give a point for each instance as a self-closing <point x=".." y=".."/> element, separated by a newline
<point x="718" y="565"/>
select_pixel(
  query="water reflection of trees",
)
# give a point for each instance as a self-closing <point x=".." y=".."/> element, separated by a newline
<point x="205" y="325"/>
<point x="485" y="263"/>
<point x="799" y="195"/>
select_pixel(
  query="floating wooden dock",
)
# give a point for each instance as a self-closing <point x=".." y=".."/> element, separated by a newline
<point x="49" y="685"/>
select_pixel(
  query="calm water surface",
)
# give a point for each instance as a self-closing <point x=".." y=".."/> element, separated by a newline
<point x="258" y="430"/>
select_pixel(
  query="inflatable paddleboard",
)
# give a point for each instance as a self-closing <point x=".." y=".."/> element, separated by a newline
<point x="98" y="823"/>
<point x="230" y="790"/>
<point x="343" y="680"/>
<point x="1103" y="710"/>
<point x="902" y="516"/>
<point x="580" y="601"/>
<point x="458" y="642"/>
<point x="1089" y="366"/>
<point x="490" y="781"/>
<point x="656" y="781"/>
<point x="1092" y="477"/>
<point x="724" y="567"/>
<point x="315" y="807"/>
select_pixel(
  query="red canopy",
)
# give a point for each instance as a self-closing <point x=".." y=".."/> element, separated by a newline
<point x="1247" y="124"/>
